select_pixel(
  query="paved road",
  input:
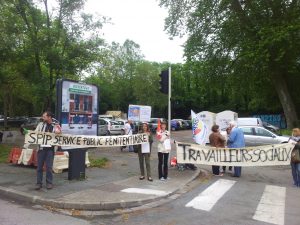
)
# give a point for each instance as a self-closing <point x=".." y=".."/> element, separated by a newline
<point x="262" y="196"/>
<point x="258" y="198"/>
<point x="12" y="213"/>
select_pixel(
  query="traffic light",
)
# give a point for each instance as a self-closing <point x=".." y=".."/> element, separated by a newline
<point x="164" y="81"/>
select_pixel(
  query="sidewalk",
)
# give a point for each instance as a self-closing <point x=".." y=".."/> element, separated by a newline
<point x="112" y="188"/>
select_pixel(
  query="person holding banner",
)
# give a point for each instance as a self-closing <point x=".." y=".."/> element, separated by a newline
<point x="128" y="131"/>
<point x="295" y="164"/>
<point x="164" y="148"/>
<point x="144" y="152"/>
<point x="217" y="140"/>
<point x="235" y="140"/>
<point x="45" y="153"/>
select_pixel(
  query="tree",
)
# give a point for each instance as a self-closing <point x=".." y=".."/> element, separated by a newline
<point x="256" y="38"/>
<point x="124" y="78"/>
<point x="58" y="40"/>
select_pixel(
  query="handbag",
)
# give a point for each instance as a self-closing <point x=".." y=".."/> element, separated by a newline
<point x="295" y="157"/>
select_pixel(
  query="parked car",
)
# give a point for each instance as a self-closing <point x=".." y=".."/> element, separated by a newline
<point x="249" y="121"/>
<point x="103" y="125"/>
<point x="271" y="127"/>
<point x="153" y="123"/>
<point x="184" y="125"/>
<point x="31" y="123"/>
<point x="14" y="121"/>
<point x="255" y="135"/>
<point x="116" y="127"/>
<point x="189" y="124"/>
<point x="175" y="125"/>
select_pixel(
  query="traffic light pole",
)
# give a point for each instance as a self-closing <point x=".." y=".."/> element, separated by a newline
<point x="169" y="102"/>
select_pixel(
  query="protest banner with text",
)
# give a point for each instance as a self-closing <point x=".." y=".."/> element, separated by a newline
<point x="44" y="138"/>
<point x="268" y="155"/>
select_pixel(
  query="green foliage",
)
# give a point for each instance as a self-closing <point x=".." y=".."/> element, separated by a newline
<point x="248" y="50"/>
<point x="98" y="162"/>
<point x="241" y="55"/>
<point x="38" y="46"/>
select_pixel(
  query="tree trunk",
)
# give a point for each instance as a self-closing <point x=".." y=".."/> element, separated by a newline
<point x="285" y="100"/>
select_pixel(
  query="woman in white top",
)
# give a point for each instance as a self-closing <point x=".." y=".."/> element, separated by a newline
<point x="164" y="148"/>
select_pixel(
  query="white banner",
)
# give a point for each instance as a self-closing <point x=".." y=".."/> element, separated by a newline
<point x="44" y="138"/>
<point x="267" y="155"/>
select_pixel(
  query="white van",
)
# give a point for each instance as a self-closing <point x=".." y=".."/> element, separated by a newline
<point x="250" y="121"/>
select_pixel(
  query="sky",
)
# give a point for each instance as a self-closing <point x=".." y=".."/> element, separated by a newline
<point x="141" y="21"/>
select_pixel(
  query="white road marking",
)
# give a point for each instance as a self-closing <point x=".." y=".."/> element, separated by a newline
<point x="145" y="191"/>
<point x="210" y="196"/>
<point x="271" y="207"/>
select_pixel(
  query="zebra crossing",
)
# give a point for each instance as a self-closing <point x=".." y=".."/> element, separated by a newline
<point x="270" y="208"/>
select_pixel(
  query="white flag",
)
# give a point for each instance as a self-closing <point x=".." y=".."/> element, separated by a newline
<point x="199" y="129"/>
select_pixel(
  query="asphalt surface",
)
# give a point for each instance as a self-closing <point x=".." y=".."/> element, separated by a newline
<point x="117" y="186"/>
<point x="239" y="204"/>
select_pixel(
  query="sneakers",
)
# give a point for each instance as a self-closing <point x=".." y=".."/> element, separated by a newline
<point x="162" y="179"/>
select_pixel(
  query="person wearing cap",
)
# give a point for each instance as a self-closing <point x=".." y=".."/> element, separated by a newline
<point x="45" y="154"/>
<point x="235" y="140"/>
<point x="164" y="148"/>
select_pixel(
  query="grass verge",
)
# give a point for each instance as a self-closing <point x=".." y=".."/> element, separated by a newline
<point x="4" y="151"/>
<point x="98" y="162"/>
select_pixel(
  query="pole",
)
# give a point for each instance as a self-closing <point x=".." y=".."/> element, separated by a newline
<point x="169" y="102"/>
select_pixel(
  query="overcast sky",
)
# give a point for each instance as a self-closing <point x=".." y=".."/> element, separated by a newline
<point x="141" y="21"/>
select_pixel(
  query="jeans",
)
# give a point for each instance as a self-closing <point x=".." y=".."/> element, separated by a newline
<point x="163" y="165"/>
<point x="296" y="173"/>
<point x="216" y="170"/>
<point x="237" y="171"/>
<point x="45" y="156"/>
<point x="130" y="148"/>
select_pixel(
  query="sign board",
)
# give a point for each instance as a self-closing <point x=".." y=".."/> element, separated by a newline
<point x="140" y="113"/>
<point x="77" y="107"/>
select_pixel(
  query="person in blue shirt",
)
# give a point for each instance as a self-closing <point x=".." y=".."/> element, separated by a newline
<point x="235" y="140"/>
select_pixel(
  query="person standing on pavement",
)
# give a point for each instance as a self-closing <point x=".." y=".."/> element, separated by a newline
<point x="45" y="153"/>
<point x="294" y="165"/>
<point x="236" y="140"/>
<point x="217" y="140"/>
<point x="144" y="152"/>
<point x="164" y="148"/>
<point x="128" y="131"/>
